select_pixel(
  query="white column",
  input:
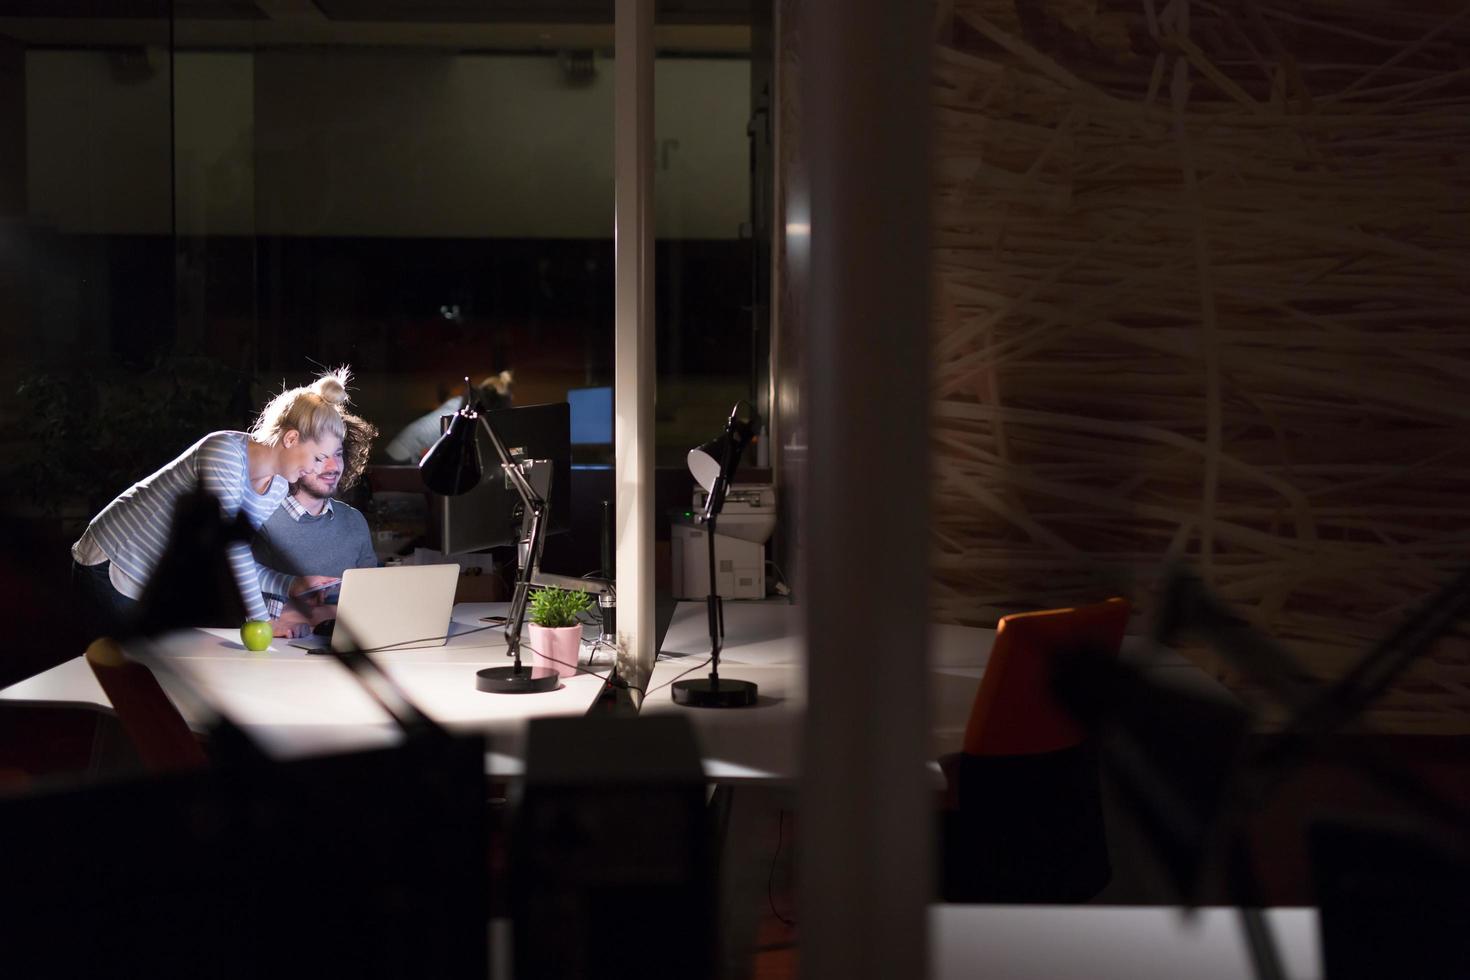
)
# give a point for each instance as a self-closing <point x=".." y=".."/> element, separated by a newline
<point x="864" y="847"/>
<point x="634" y="382"/>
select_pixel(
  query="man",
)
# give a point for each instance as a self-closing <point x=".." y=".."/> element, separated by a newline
<point x="410" y="445"/>
<point x="313" y="534"/>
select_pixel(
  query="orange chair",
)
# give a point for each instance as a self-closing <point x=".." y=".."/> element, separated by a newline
<point x="154" y="726"/>
<point x="1027" y="824"/>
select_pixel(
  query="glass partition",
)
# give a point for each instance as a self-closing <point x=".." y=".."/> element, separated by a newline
<point x="202" y="200"/>
<point x="710" y="323"/>
<point x="425" y="200"/>
<point x="86" y="289"/>
<point x="712" y="179"/>
<point x="86" y="263"/>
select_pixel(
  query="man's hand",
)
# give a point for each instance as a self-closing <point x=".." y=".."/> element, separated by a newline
<point x="312" y="589"/>
<point x="290" y="624"/>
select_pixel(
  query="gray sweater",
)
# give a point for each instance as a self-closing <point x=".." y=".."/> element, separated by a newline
<point x="323" y="545"/>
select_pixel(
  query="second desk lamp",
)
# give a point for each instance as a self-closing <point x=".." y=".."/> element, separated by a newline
<point x="713" y="465"/>
<point x="452" y="466"/>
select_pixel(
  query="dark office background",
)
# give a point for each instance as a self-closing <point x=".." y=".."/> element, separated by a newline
<point x="199" y="204"/>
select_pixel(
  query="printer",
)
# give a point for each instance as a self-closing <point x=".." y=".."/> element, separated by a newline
<point x="741" y="532"/>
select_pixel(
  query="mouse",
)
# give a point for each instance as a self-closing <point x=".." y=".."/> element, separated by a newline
<point x="324" y="628"/>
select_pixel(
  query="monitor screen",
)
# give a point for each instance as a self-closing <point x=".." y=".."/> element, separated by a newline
<point x="490" y="515"/>
<point x="592" y="416"/>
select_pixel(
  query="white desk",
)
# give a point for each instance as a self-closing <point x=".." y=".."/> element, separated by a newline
<point x="294" y="703"/>
<point x="763" y="643"/>
<point x="1086" y="942"/>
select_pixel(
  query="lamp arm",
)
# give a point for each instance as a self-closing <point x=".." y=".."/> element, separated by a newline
<point x="535" y="506"/>
<point x="523" y="584"/>
<point x="714" y="604"/>
<point x="714" y="501"/>
<point x="528" y="494"/>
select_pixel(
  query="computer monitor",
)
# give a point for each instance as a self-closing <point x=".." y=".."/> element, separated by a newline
<point x="592" y="426"/>
<point x="592" y="416"/>
<point x="489" y="516"/>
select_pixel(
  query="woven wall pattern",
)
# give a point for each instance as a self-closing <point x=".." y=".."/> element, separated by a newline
<point x="1202" y="292"/>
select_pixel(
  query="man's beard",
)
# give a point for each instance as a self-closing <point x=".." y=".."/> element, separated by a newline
<point x="315" y="492"/>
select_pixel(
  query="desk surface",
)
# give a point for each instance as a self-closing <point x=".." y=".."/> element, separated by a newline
<point x="763" y="643"/>
<point x="295" y="703"/>
<point x="1095" y="942"/>
<point x="1083" y="942"/>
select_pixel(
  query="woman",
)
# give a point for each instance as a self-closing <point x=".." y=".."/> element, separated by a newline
<point x="247" y="472"/>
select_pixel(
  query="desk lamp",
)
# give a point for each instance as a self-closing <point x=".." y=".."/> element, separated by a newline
<point x="713" y="465"/>
<point x="452" y="467"/>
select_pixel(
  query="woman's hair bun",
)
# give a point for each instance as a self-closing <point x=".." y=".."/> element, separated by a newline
<point x="332" y="386"/>
<point x="314" y="410"/>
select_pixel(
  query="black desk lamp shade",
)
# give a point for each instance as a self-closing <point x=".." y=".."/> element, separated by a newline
<point x="452" y="465"/>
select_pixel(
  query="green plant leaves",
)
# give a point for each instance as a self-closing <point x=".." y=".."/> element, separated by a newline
<point x="551" y="607"/>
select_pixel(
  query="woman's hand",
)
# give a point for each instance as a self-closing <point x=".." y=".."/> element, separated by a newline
<point x="290" y="624"/>
<point x="312" y="589"/>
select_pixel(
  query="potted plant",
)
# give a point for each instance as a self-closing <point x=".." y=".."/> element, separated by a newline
<point x="556" y="632"/>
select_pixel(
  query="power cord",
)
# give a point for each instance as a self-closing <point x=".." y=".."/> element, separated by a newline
<point x="677" y="676"/>
<point x="429" y="639"/>
<point x="780" y="585"/>
<point x="612" y="679"/>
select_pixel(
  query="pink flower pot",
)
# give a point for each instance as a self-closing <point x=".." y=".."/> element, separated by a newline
<point x="556" y="647"/>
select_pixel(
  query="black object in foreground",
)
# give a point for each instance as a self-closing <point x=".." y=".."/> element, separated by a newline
<point x="613" y="822"/>
<point x="1393" y="901"/>
<point x="369" y="864"/>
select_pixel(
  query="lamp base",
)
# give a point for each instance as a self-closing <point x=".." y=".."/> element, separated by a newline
<point x="714" y="692"/>
<point x="517" y="680"/>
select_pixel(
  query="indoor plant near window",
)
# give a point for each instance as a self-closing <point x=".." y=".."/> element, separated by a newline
<point x="556" y="632"/>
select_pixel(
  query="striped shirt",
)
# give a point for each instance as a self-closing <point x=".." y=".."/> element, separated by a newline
<point x="132" y="531"/>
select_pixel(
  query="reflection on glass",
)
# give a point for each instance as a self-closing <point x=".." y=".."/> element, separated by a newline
<point x="194" y="211"/>
<point x="712" y="337"/>
<point x="86" y="266"/>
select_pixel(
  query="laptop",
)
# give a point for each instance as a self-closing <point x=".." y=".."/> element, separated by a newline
<point x="401" y="607"/>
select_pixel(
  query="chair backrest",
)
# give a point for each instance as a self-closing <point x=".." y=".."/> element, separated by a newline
<point x="155" y="727"/>
<point x="1014" y="712"/>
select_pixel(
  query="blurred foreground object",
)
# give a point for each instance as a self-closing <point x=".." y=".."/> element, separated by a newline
<point x="1190" y="779"/>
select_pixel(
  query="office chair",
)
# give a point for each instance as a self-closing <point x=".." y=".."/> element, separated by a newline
<point x="159" y="733"/>
<point x="1026" y="822"/>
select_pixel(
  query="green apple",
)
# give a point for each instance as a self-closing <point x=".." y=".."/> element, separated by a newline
<point x="256" y="635"/>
